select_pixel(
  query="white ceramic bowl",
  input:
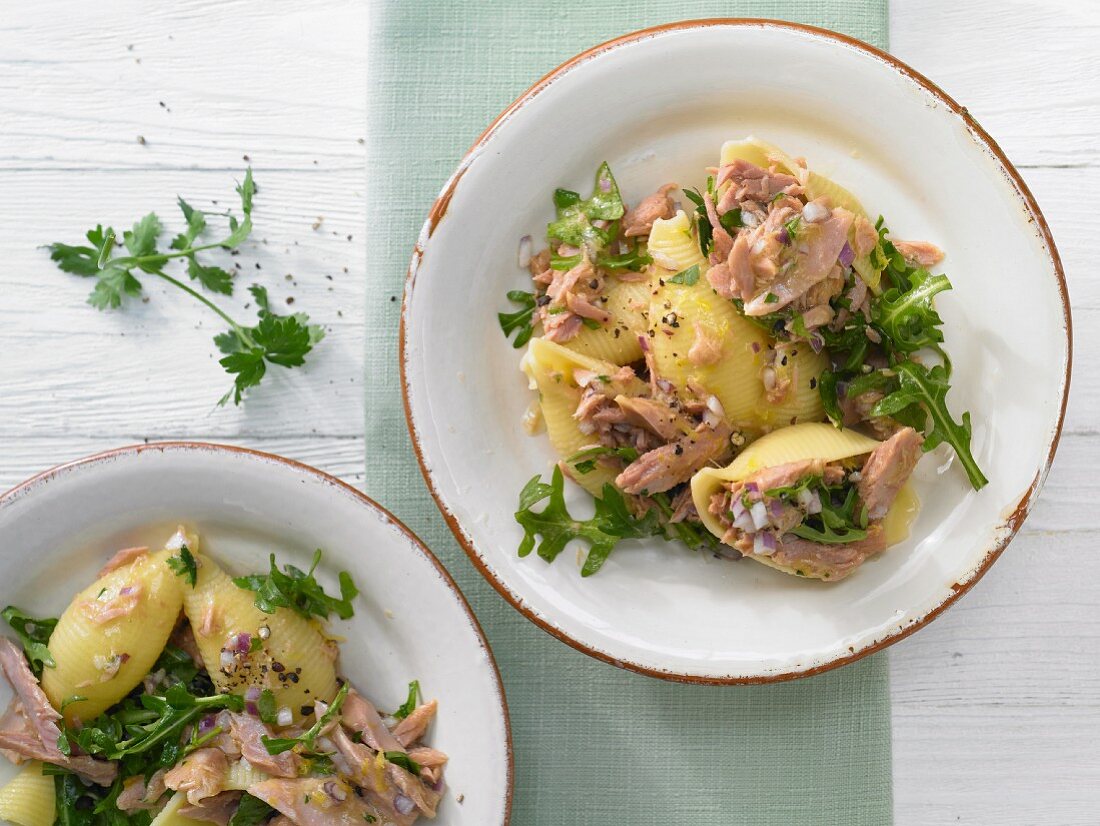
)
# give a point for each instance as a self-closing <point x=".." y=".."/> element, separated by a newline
<point x="410" y="622"/>
<point x="657" y="105"/>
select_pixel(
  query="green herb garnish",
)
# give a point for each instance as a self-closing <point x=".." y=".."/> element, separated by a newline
<point x="276" y="339"/>
<point x="299" y="590"/>
<point x="400" y="758"/>
<point x="184" y="565"/>
<point x="688" y="277"/>
<point x="575" y="216"/>
<point x="34" y="634"/>
<point x="584" y="460"/>
<point x="406" y="708"/>
<point x="250" y="812"/>
<point x="521" y="319"/>
<point x="277" y="745"/>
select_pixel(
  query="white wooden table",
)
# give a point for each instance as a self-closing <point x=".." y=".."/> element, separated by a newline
<point x="996" y="706"/>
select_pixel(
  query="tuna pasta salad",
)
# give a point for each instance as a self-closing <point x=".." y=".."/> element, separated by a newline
<point x="170" y="693"/>
<point x="753" y="367"/>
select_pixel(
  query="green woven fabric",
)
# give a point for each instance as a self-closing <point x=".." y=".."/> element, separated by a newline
<point x="593" y="744"/>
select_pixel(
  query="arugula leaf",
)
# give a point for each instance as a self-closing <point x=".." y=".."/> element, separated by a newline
<point x="277" y="745"/>
<point x="574" y="222"/>
<point x="184" y="565"/>
<point x="177" y="665"/>
<point x="908" y="317"/>
<point x="611" y="523"/>
<point x="688" y="277"/>
<point x="299" y="590"/>
<point x="400" y="758"/>
<point x="928" y="387"/>
<point x="250" y="812"/>
<point x="702" y="220"/>
<point x="33" y="634"/>
<point x="635" y="259"/>
<point x="275" y="339"/>
<point x="521" y="319"/>
<point x="827" y="389"/>
<point x="406" y="708"/>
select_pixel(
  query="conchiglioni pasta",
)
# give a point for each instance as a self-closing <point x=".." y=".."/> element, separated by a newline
<point x="779" y="322"/>
<point x="28" y="798"/>
<point x="111" y="634"/>
<point x="225" y="708"/>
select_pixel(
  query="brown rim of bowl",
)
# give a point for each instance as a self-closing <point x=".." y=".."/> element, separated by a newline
<point x="1008" y="527"/>
<point x="49" y="475"/>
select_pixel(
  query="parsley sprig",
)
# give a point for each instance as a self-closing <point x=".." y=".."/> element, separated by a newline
<point x="611" y="523"/>
<point x="299" y="590"/>
<point x="521" y="320"/>
<point x="184" y="565"/>
<point x="275" y="339"/>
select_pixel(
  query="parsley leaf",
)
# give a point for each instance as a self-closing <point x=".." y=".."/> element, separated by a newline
<point x="574" y="222"/>
<point x="611" y="523"/>
<point x="250" y="812"/>
<point x="299" y="590"/>
<point x="277" y="745"/>
<point x="266" y="706"/>
<point x="688" y="277"/>
<point x="184" y="565"/>
<point x="406" y="708"/>
<point x="928" y="387"/>
<point x="275" y="339"/>
<point x="33" y="634"/>
<point x="521" y="319"/>
<point x="400" y="758"/>
<point x="702" y="220"/>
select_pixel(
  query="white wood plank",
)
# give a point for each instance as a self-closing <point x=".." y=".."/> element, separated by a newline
<point x="28" y="456"/>
<point x="1026" y="69"/>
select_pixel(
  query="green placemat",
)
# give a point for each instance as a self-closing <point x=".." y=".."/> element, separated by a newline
<point x="593" y="744"/>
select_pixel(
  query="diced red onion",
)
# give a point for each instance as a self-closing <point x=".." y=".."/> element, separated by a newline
<point x="815" y="503"/>
<point x="738" y="507"/>
<point x="817" y="342"/>
<point x="814" y="212"/>
<point x="226" y="658"/>
<point x="251" y="695"/>
<point x="784" y="236"/>
<point x="752" y="487"/>
<point x="125" y="592"/>
<point x="756" y="346"/>
<point x="744" y="523"/>
<point x="750" y="219"/>
<point x="775" y="508"/>
<point x="764" y="544"/>
<point x="676" y="207"/>
<point x="583" y="377"/>
<point x="437" y="786"/>
<point x="664" y="385"/>
<point x="285" y="716"/>
<point x="403" y="804"/>
<point x="710" y="419"/>
<point x="207" y="724"/>
<point x="715" y="406"/>
<point x="241" y="644"/>
<point x="855" y="476"/>
<point x="804" y="497"/>
<point x="336" y="791"/>
<point x="643" y="342"/>
<point x="847" y="255"/>
<point x="523" y="254"/>
<point x="759" y="514"/>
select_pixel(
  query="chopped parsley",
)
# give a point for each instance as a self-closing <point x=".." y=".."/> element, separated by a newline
<point x="184" y="565"/>
<point x="400" y="758"/>
<point x="406" y="708"/>
<point x="299" y="590"/>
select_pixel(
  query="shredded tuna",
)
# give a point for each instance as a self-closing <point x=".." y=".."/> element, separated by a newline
<point x="138" y="794"/>
<point x="887" y="469"/>
<point x="121" y="559"/>
<point x="248" y="731"/>
<point x="723" y="241"/>
<point x="639" y="221"/>
<point x="656" y="416"/>
<point x="665" y="467"/>
<point x="816" y="249"/>
<point x="218" y="809"/>
<point x="747" y="180"/>
<point x="919" y="253"/>
<point x="412" y="728"/>
<point x="320" y="801"/>
<point x="199" y="775"/>
<point x="832" y="562"/>
<point x="560" y="327"/>
<point x="706" y="347"/>
<point x="38" y="738"/>
<point x="360" y="715"/>
<point x="581" y="306"/>
<point x="102" y="611"/>
<point x="864" y="236"/>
